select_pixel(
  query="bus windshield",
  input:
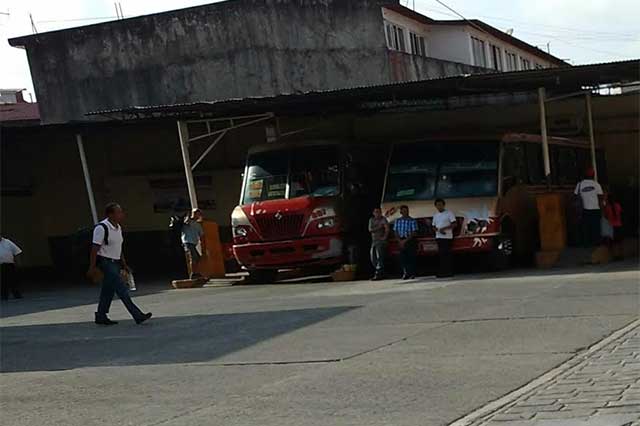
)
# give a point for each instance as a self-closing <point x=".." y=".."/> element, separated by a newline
<point x="310" y="171"/>
<point x="314" y="171"/>
<point x="425" y="171"/>
<point x="266" y="177"/>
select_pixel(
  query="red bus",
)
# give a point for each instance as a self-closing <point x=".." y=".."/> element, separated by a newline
<point x="305" y="204"/>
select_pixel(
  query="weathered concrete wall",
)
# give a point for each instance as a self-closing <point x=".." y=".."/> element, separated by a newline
<point x="232" y="49"/>
<point x="407" y="67"/>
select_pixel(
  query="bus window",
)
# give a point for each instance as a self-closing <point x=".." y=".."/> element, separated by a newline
<point x="468" y="170"/>
<point x="412" y="172"/>
<point x="266" y="177"/>
<point x="535" y="164"/>
<point x="315" y="172"/>
<point x="514" y="166"/>
<point x="603" y="176"/>
<point x="584" y="161"/>
<point x="566" y="165"/>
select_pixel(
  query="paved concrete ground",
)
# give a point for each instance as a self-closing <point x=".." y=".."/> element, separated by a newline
<point x="384" y="353"/>
<point x="600" y="387"/>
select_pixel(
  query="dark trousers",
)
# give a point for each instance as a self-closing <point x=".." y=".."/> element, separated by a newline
<point x="591" y="227"/>
<point x="9" y="281"/>
<point x="408" y="255"/>
<point x="377" y="253"/>
<point x="446" y="257"/>
<point x="114" y="284"/>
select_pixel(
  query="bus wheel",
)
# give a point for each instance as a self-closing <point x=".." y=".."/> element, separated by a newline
<point x="263" y="276"/>
<point x="501" y="253"/>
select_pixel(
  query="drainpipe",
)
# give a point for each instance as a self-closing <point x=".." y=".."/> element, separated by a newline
<point x="545" y="137"/>
<point x="183" y="133"/>
<point x="87" y="178"/>
<point x="592" y="139"/>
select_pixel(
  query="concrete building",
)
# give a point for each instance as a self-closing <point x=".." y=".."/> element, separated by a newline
<point x="247" y="48"/>
<point x="470" y="42"/>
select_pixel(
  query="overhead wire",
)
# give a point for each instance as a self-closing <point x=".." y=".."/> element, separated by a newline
<point x="552" y="37"/>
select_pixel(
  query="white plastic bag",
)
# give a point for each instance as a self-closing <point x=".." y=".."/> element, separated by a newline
<point x="131" y="282"/>
<point x="606" y="230"/>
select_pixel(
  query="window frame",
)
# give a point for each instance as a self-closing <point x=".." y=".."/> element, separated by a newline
<point x="395" y="37"/>
<point x="478" y="44"/>
<point x="496" y="60"/>
<point x="418" y="44"/>
<point x="511" y="61"/>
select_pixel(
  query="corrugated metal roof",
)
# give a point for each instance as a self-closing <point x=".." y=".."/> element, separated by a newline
<point x="557" y="80"/>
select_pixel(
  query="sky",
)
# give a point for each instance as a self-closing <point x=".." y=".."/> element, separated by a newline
<point x="579" y="31"/>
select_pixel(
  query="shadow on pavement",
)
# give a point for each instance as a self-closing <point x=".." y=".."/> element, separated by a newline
<point x="63" y="297"/>
<point x="168" y="340"/>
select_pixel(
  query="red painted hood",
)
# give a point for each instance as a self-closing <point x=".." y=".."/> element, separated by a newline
<point x="295" y="206"/>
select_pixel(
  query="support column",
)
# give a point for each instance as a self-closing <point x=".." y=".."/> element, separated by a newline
<point x="545" y="137"/>
<point x="87" y="178"/>
<point x="592" y="138"/>
<point x="183" y="133"/>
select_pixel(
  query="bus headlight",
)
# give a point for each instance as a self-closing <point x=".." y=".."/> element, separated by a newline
<point x="326" y="223"/>
<point x="477" y="226"/>
<point x="240" y="231"/>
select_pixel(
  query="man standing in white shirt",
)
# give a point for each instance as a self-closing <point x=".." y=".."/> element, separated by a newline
<point x="8" y="279"/>
<point x="591" y="196"/>
<point x="106" y="256"/>
<point x="443" y="223"/>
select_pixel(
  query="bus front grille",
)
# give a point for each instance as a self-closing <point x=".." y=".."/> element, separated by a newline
<point x="280" y="227"/>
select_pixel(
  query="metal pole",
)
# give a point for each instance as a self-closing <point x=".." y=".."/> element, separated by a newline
<point x="183" y="133"/>
<point x="592" y="139"/>
<point x="87" y="178"/>
<point x="545" y="137"/>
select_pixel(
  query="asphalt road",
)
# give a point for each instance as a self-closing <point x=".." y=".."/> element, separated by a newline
<point x="424" y="352"/>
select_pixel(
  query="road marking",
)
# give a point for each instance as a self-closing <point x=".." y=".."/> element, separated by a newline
<point x="493" y="406"/>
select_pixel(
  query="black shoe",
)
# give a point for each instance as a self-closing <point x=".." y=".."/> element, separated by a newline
<point x="377" y="277"/>
<point x="405" y="277"/>
<point x="105" y="321"/>
<point x="411" y="277"/>
<point x="143" y="318"/>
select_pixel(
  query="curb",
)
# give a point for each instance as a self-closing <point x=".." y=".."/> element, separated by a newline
<point x="499" y="403"/>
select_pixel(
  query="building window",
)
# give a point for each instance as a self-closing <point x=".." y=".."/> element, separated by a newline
<point x="496" y="58"/>
<point x="418" y="46"/>
<point x="400" y="39"/>
<point x="395" y="37"/>
<point x="539" y="67"/>
<point x="479" y="57"/>
<point x="512" y="61"/>
<point x="525" y="64"/>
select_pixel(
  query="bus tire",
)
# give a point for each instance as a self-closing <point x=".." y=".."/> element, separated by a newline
<point x="263" y="276"/>
<point x="501" y="256"/>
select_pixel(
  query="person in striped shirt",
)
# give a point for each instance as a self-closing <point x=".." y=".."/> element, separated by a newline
<point x="406" y="229"/>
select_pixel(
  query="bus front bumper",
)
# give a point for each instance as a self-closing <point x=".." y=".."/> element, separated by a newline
<point x="461" y="244"/>
<point x="310" y="251"/>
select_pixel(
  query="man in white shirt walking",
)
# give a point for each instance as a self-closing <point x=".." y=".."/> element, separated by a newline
<point x="106" y="256"/>
<point x="443" y="223"/>
<point x="8" y="274"/>
<point x="591" y="196"/>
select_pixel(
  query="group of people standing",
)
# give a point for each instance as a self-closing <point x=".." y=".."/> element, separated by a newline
<point x="406" y="230"/>
<point x="599" y="212"/>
